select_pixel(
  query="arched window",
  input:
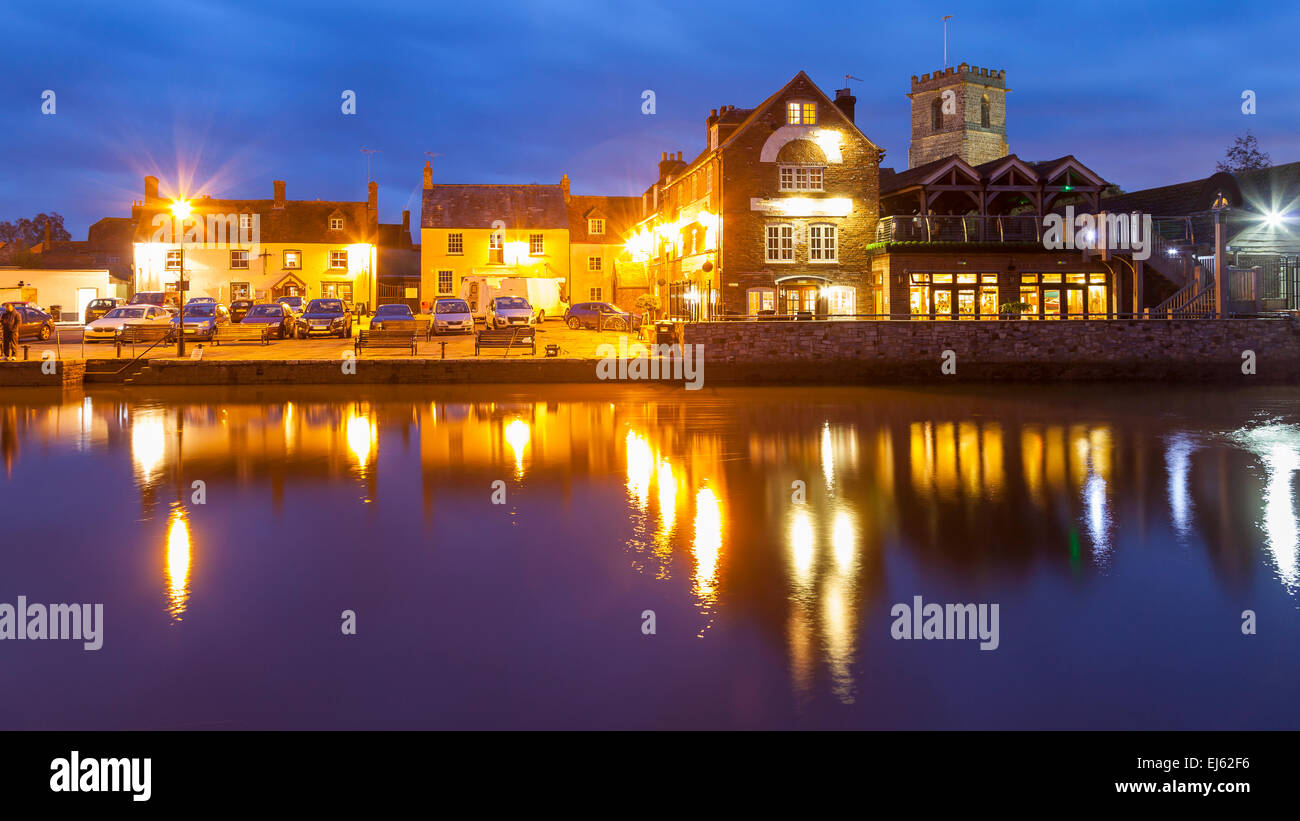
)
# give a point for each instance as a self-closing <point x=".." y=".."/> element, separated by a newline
<point x="985" y="117"/>
<point x="936" y="113"/>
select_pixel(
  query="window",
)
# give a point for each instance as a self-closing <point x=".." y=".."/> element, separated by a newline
<point x="708" y="179"/>
<point x="456" y="243"/>
<point x="239" y="259"/>
<point x="801" y="178"/>
<point x="761" y="299"/>
<point x="444" y="282"/>
<point x="801" y="113"/>
<point x="338" y="259"/>
<point x="593" y="263"/>
<point x="841" y="300"/>
<point x="984" y="111"/>
<point x="336" y="290"/>
<point x="293" y="259"/>
<point x="245" y="223"/>
<point x="240" y="290"/>
<point x="595" y="295"/>
<point x="936" y="113"/>
<point x="536" y="245"/>
<point x="780" y="243"/>
<point x="173" y="260"/>
<point x="821" y="243"/>
<point x="595" y="226"/>
<point x="336" y="223"/>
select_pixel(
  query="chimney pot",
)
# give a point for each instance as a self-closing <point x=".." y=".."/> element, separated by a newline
<point x="279" y="192"/>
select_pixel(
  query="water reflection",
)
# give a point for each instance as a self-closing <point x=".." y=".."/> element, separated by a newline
<point x="694" y="493"/>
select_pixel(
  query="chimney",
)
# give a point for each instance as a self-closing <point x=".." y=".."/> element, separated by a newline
<point x="406" y="222"/>
<point x="845" y="101"/>
<point x="564" y="186"/>
<point x="150" y="189"/>
<point x="428" y="175"/>
<point x="666" y="164"/>
<point x="372" y="200"/>
<point x="279" y="193"/>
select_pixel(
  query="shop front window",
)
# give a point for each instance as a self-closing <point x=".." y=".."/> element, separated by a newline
<point x="761" y="300"/>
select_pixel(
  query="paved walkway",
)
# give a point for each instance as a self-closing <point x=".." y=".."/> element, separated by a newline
<point x="573" y="344"/>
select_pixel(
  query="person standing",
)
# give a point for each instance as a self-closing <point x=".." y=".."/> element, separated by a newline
<point x="9" y="322"/>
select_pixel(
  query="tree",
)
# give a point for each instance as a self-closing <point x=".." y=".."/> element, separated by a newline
<point x="1244" y="156"/>
<point x="23" y="234"/>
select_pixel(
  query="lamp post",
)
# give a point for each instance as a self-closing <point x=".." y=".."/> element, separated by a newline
<point x="1220" y="269"/>
<point x="182" y="210"/>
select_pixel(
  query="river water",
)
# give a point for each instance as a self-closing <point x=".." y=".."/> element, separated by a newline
<point x="607" y="557"/>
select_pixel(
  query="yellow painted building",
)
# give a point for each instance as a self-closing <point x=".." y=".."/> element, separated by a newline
<point x="258" y="249"/>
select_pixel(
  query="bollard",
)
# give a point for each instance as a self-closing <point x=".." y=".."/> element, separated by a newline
<point x="25" y="349"/>
<point x="119" y="348"/>
<point x="443" y="343"/>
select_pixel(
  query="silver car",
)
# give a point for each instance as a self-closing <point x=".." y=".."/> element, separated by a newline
<point x="452" y="315"/>
<point x="504" y="311"/>
<point x="106" y="327"/>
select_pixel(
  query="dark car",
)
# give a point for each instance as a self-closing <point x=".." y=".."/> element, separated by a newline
<point x="199" y="300"/>
<point x="238" y="309"/>
<point x="202" y="319"/>
<point x="326" y="316"/>
<point x="601" y="316"/>
<point x="98" y="307"/>
<point x="34" y="321"/>
<point x="275" y="314"/>
<point x="396" y="312"/>
<point x="159" y="298"/>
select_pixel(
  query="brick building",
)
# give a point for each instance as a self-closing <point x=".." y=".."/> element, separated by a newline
<point x="773" y="216"/>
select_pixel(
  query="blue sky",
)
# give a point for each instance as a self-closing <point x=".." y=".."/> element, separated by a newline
<point x="227" y="96"/>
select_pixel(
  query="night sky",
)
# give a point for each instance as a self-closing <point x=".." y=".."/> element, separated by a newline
<point x="236" y="94"/>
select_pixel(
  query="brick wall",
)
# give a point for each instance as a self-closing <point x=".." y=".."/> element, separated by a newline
<point x="855" y="352"/>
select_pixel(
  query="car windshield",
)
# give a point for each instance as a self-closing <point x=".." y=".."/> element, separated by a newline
<point x="148" y="299"/>
<point x="511" y="302"/>
<point x="125" y="313"/>
<point x="101" y="303"/>
<point x="453" y="306"/>
<point x="266" y="310"/>
<point x="201" y="309"/>
<point x="325" y="306"/>
<point x="241" y="303"/>
<point x="393" y="309"/>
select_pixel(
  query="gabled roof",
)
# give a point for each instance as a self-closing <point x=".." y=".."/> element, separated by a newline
<point x="305" y="221"/>
<point x="478" y="206"/>
<point x="757" y="112"/>
<point x="619" y="213"/>
<point x="1038" y="172"/>
<point x="921" y="174"/>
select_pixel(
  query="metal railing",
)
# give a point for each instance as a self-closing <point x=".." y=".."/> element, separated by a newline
<point x="943" y="228"/>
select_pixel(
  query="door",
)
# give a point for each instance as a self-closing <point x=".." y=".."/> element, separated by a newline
<point x="84" y="297"/>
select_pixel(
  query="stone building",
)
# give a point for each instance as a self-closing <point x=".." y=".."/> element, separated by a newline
<point x="960" y="111"/>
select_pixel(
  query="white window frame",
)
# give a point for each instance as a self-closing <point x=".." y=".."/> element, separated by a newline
<point x="179" y="260"/>
<point x="802" y="178"/>
<point x="297" y="258"/>
<point x="779" y="236"/>
<point x="594" y="264"/>
<point x="336" y="223"/>
<point x="245" y="222"/>
<point x="336" y="257"/>
<point x="596" y="226"/>
<point x="594" y="294"/>
<point x="455" y="244"/>
<point x="536" y="245"/>
<point x="766" y="291"/>
<point x="450" y="280"/>
<point x="242" y="263"/>
<point x="823" y="242"/>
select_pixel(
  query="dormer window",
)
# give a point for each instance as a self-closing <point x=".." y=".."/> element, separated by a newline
<point x="798" y="112"/>
<point x="336" y="223"/>
<point x="595" y="226"/>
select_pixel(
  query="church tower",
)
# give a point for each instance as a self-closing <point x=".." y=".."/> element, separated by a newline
<point x="959" y="111"/>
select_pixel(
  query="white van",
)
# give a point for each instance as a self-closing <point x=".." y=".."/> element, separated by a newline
<point x="545" y="294"/>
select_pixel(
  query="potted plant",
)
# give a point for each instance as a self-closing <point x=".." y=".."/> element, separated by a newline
<point x="1013" y="310"/>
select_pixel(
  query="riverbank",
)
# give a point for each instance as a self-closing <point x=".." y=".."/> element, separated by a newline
<point x="1245" y="351"/>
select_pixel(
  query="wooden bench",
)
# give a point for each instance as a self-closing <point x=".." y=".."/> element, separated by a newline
<point x="241" y="333"/>
<point x="145" y="333"/>
<point x="386" y="338"/>
<point x="424" y="327"/>
<point x="519" y="336"/>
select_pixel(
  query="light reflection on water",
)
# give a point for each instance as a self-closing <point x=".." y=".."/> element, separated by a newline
<point x="982" y="499"/>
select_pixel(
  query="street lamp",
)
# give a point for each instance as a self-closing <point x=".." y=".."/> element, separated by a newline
<point x="182" y="210"/>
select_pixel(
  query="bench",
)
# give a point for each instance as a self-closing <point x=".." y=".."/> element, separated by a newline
<point x="519" y="336"/>
<point x="145" y="333"/>
<point x="386" y="338"/>
<point x="241" y="333"/>
<point x="424" y="327"/>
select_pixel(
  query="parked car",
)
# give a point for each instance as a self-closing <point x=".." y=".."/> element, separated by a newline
<point x="277" y="315"/>
<point x="452" y="314"/>
<point x="504" y="311"/>
<point x="199" y="300"/>
<point x="98" y="307"/>
<point x="239" y="308"/>
<point x="600" y="316"/>
<point x="295" y="303"/>
<point x="159" y="298"/>
<point x="395" y="312"/>
<point x="326" y="316"/>
<point x="107" y="326"/>
<point x="202" y="319"/>
<point x="33" y="322"/>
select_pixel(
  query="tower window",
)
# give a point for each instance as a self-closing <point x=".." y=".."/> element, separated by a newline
<point x="936" y="113"/>
<point x="985" y="117"/>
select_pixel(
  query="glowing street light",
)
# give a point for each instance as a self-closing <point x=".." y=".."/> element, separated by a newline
<point x="182" y="210"/>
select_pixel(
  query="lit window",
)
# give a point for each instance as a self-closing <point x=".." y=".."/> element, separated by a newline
<point x="444" y="282"/>
<point x="761" y="299"/>
<point x="336" y="223"/>
<point x="456" y="243"/>
<point x="801" y="178"/>
<point x="595" y="226"/>
<point x="780" y="243"/>
<point x="239" y="259"/>
<point x="173" y="260"/>
<point x="595" y="295"/>
<point x="293" y="259"/>
<point x="841" y="300"/>
<point x="536" y="245"/>
<point x="593" y="263"/>
<point x="800" y="113"/>
<point x="338" y="259"/>
<point x="821" y="243"/>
